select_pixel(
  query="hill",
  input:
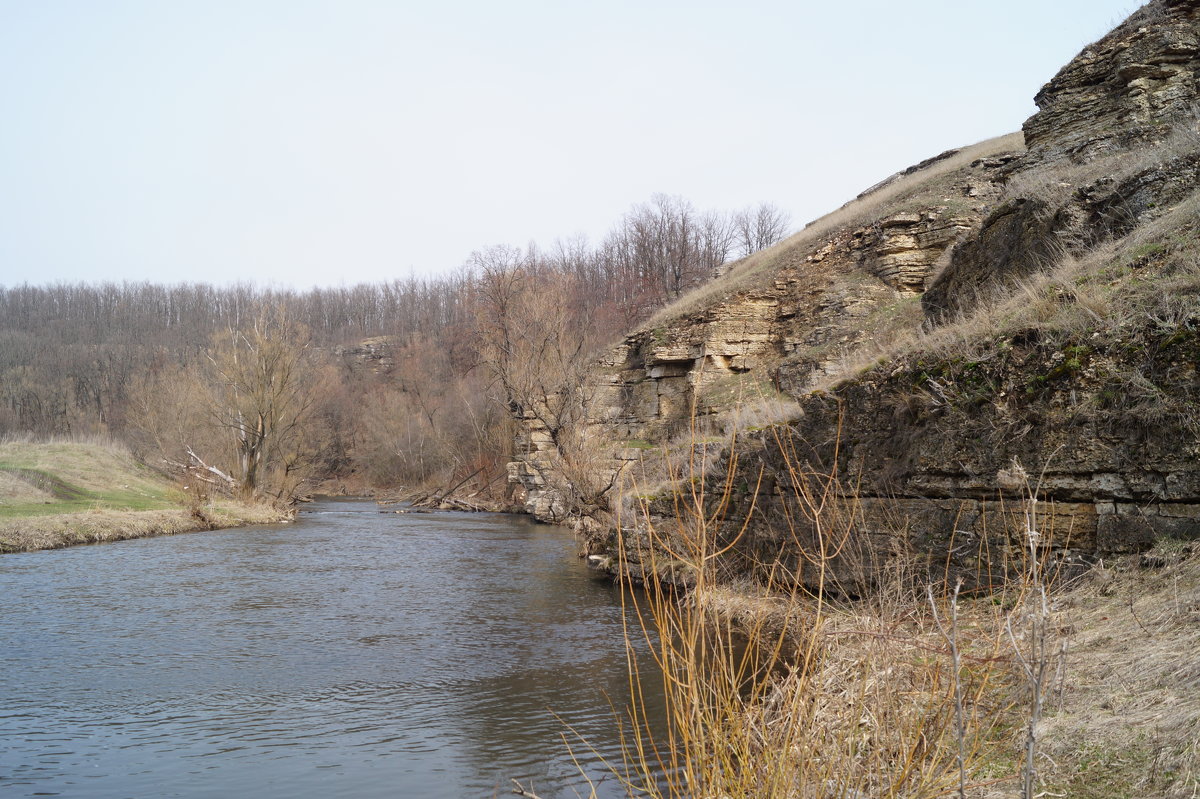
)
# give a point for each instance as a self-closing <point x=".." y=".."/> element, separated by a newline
<point x="60" y="493"/>
<point x="1025" y="305"/>
<point x="972" y="389"/>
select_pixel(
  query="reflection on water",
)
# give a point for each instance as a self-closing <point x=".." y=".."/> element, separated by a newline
<point x="353" y="653"/>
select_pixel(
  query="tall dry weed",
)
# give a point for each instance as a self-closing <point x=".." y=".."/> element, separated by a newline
<point x="780" y="687"/>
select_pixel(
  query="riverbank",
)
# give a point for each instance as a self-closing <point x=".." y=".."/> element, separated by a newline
<point x="63" y="493"/>
<point x="99" y="526"/>
<point x="911" y="691"/>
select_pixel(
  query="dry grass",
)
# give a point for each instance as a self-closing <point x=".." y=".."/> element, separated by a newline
<point x="16" y="490"/>
<point x="1082" y="291"/>
<point x="1102" y="290"/>
<point x="1054" y="182"/>
<point x="99" y="526"/>
<point x="727" y="404"/>
<point x="774" y="689"/>
<point x="922" y="189"/>
<point x="1128" y="720"/>
<point x="60" y="492"/>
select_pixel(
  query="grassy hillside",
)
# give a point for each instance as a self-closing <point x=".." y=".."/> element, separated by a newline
<point x="38" y="479"/>
<point x="60" y="493"/>
<point x="926" y="185"/>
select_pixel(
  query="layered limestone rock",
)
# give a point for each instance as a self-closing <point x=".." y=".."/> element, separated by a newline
<point x="802" y="321"/>
<point x="903" y="250"/>
<point x="1071" y="447"/>
<point x="944" y="456"/>
<point x="804" y="325"/>
<point x="1112" y="147"/>
<point x="1130" y="87"/>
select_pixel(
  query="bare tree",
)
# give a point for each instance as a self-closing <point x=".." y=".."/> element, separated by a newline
<point x="261" y="397"/>
<point x="536" y="346"/>
<point x="757" y="228"/>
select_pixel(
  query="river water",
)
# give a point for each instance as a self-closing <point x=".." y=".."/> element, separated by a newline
<point x="353" y="653"/>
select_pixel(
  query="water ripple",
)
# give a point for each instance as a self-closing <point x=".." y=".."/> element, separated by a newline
<point x="353" y="653"/>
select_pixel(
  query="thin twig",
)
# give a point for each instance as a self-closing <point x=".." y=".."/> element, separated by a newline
<point x="520" y="790"/>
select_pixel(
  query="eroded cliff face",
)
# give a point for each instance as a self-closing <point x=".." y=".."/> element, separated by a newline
<point x="804" y="323"/>
<point x="1097" y="417"/>
<point x="1112" y="146"/>
<point x="944" y="453"/>
<point x="805" y="318"/>
<point x="1126" y="89"/>
<point x="938" y="451"/>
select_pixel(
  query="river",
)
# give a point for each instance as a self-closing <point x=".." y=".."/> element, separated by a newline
<point x="353" y="653"/>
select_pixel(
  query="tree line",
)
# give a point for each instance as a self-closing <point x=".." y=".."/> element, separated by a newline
<point x="262" y="390"/>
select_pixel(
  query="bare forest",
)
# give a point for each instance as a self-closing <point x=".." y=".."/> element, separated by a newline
<point x="412" y="384"/>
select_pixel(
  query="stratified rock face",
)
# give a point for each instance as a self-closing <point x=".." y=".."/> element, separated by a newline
<point x="902" y="250"/>
<point x="799" y="327"/>
<point x="1018" y="239"/>
<point x="942" y="454"/>
<point x="803" y="321"/>
<point x="1101" y="157"/>
<point x="789" y="332"/>
<point x="1025" y="236"/>
<point x="1130" y="86"/>
<point x="376" y="355"/>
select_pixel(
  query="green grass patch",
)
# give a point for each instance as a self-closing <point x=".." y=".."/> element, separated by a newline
<point x="42" y="479"/>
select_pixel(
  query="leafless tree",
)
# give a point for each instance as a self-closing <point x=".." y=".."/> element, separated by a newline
<point x="261" y="396"/>
<point x="759" y="227"/>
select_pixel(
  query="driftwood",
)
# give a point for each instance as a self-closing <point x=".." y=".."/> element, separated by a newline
<point x="200" y="470"/>
<point x="488" y="485"/>
<point x="520" y="790"/>
<point x="460" y="504"/>
<point x="425" y="500"/>
<point x="443" y="499"/>
<point x="462" y="482"/>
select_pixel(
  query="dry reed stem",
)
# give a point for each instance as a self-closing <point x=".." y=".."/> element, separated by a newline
<point x="782" y="692"/>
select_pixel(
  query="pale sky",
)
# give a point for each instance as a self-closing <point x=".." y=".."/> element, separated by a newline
<point x="331" y="142"/>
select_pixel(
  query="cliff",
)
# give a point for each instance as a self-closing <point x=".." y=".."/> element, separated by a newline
<point x="1014" y="319"/>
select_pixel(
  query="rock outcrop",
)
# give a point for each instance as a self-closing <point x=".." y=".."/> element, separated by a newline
<point x="375" y="355"/>
<point x="804" y="321"/>
<point x="1112" y="145"/>
<point x="903" y="250"/>
<point x="1104" y="431"/>
<point x="803" y="318"/>
<point x="1128" y="88"/>
<point x="940" y="454"/>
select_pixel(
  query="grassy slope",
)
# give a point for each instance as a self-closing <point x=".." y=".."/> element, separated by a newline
<point x="924" y="188"/>
<point x="1126" y="722"/>
<point x="66" y="477"/>
<point x="55" y="494"/>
